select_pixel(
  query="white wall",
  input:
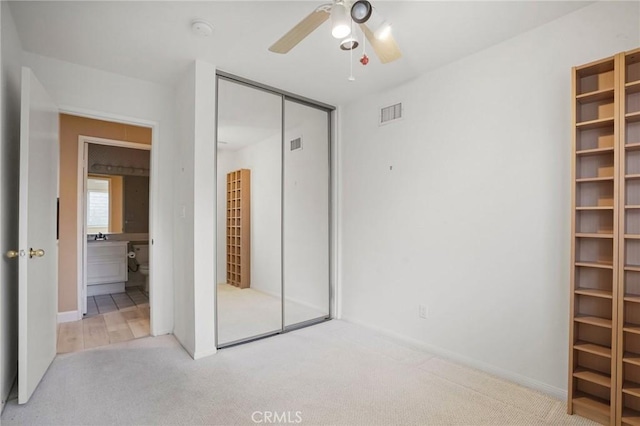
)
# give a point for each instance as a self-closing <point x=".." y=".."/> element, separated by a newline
<point x="184" y="321"/>
<point x="264" y="159"/>
<point x="77" y="88"/>
<point x="9" y="159"/>
<point x="204" y="172"/>
<point x="194" y="226"/>
<point x="474" y="219"/>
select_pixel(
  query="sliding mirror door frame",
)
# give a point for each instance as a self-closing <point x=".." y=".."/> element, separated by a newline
<point x="328" y="109"/>
<point x="287" y="168"/>
<point x="249" y="143"/>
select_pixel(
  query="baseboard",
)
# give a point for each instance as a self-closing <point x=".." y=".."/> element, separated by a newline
<point x="189" y="351"/>
<point x="69" y="316"/>
<point x="196" y="354"/>
<point x="161" y="333"/>
<point x="467" y="361"/>
<point x="203" y="354"/>
<point x="7" y="393"/>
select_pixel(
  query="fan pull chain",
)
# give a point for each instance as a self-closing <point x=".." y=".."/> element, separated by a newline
<point x="365" y="59"/>
<point x="364" y="44"/>
<point x="351" y="77"/>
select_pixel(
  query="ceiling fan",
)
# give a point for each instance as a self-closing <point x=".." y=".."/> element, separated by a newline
<point x="342" y="12"/>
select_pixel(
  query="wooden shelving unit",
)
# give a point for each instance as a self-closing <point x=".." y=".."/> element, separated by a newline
<point x="239" y="228"/>
<point x="628" y="354"/>
<point x="594" y="257"/>
<point x="604" y="355"/>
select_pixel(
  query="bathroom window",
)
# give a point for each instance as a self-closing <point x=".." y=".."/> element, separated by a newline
<point x="98" y="201"/>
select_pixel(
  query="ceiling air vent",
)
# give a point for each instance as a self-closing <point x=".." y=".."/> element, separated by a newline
<point x="296" y="144"/>
<point x="390" y="113"/>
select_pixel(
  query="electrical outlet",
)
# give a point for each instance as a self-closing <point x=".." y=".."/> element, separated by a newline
<point x="423" y="311"/>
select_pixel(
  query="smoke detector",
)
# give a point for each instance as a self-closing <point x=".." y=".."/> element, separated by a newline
<point x="201" y="27"/>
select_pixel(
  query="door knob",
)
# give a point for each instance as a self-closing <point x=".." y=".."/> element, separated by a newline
<point x="36" y="253"/>
<point x="12" y="253"/>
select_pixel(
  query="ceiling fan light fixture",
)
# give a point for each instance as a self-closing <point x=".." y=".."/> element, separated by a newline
<point x="383" y="31"/>
<point x="349" y="43"/>
<point x="361" y="11"/>
<point x="340" y="23"/>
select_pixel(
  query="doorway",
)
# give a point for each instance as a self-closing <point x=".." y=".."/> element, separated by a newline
<point x="273" y="215"/>
<point x="115" y="220"/>
<point x="112" y="191"/>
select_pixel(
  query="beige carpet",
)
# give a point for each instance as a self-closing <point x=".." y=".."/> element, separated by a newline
<point x="334" y="373"/>
<point x="244" y="313"/>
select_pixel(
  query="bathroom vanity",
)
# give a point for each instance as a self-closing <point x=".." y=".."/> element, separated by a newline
<point x="106" y="267"/>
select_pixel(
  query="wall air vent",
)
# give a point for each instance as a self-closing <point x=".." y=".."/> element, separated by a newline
<point x="390" y="113"/>
<point x="296" y="144"/>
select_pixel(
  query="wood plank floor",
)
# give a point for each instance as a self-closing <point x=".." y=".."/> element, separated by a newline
<point x="102" y="330"/>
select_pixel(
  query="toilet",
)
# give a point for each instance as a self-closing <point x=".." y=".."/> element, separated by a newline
<point x="142" y="258"/>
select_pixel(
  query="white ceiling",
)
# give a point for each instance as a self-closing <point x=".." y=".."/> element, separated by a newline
<point x="153" y="41"/>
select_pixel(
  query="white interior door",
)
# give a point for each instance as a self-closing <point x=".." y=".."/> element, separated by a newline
<point x="38" y="253"/>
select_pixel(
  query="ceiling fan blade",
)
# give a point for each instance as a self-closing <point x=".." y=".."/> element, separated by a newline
<point x="387" y="49"/>
<point x="300" y="31"/>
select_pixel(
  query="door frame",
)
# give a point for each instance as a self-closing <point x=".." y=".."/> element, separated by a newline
<point x="83" y="172"/>
<point x="154" y="191"/>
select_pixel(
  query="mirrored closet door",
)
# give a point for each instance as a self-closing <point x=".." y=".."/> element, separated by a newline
<point x="273" y="185"/>
<point x="249" y="186"/>
<point x="306" y="213"/>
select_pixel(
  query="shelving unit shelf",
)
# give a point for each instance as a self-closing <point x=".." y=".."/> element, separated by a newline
<point x="604" y="352"/>
<point x="633" y="86"/>
<point x="595" y="151"/>
<point x="239" y="228"/>
<point x="593" y="377"/>
<point x="592" y="320"/>
<point x="631" y="358"/>
<point x="594" y="292"/>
